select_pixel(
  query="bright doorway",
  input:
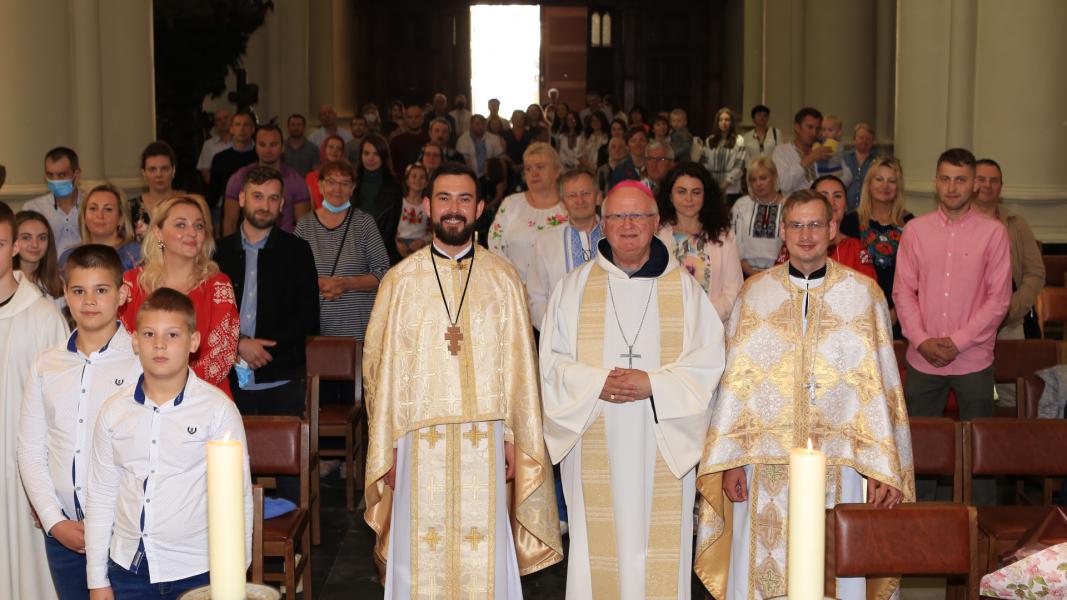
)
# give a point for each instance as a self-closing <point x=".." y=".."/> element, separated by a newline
<point x="505" y="56"/>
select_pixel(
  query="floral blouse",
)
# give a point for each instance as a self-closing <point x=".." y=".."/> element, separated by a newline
<point x="516" y="226"/>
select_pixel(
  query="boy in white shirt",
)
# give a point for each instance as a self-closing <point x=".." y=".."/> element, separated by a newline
<point x="146" y="515"/>
<point x="67" y="386"/>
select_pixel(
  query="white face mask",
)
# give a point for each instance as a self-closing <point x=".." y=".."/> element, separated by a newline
<point x="371" y="118"/>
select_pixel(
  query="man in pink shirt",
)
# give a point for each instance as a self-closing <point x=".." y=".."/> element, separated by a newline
<point x="952" y="291"/>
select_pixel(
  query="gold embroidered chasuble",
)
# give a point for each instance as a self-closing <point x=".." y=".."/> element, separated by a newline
<point x="451" y="405"/>
<point x="837" y="383"/>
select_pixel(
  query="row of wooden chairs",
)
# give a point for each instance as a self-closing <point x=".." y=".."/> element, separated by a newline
<point x="992" y="448"/>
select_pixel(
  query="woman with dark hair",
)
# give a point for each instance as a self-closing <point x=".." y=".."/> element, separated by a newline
<point x="157" y="168"/>
<point x="395" y="122"/>
<point x="516" y="140"/>
<point x="570" y="142"/>
<point x="617" y="129"/>
<point x="37" y="257"/>
<point x="634" y="165"/>
<point x="695" y="226"/>
<point x="379" y="195"/>
<point x="596" y="137"/>
<point x="724" y="155"/>
<point x="848" y="251"/>
<point x="637" y="118"/>
<point x="661" y="130"/>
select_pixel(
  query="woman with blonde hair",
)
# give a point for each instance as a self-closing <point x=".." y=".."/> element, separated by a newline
<point x="105" y="219"/>
<point x="879" y="221"/>
<point x="756" y="217"/>
<point x="521" y="216"/>
<point x="177" y="252"/>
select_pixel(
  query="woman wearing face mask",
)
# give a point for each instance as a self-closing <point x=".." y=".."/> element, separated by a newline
<point x="157" y="168"/>
<point x="105" y="220"/>
<point x="332" y="149"/>
<point x="177" y="253"/>
<point x="378" y="192"/>
<point x="37" y="254"/>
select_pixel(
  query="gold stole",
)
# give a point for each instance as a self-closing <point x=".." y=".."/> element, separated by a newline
<point x="661" y="562"/>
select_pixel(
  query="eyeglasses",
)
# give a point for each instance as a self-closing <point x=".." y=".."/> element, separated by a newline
<point x="340" y="183"/>
<point x="623" y="217"/>
<point x="813" y="226"/>
<point x="659" y="159"/>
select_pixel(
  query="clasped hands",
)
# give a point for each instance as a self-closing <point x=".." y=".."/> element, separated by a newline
<point x="626" y="385"/>
<point x="880" y="495"/>
<point x="939" y="352"/>
<point x="331" y="288"/>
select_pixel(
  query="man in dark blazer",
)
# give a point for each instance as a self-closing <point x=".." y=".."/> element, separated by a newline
<point x="276" y="288"/>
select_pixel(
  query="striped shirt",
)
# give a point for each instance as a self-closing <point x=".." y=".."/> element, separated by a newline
<point x="362" y="252"/>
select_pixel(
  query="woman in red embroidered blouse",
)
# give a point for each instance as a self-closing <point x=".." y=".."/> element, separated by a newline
<point x="177" y="254"/>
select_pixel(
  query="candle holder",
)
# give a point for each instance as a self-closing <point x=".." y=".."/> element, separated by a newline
<point x="255" y="591"/>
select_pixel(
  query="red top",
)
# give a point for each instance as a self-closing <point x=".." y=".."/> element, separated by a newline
<point x="216" y="320"/>
<point x="849" y="252"/>
<point x="312" y="181"/>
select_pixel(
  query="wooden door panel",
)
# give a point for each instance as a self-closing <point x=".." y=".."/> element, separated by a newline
<point x="564" y="39"/>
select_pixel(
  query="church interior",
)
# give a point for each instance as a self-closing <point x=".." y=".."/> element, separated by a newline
<point x="107" y="77"/>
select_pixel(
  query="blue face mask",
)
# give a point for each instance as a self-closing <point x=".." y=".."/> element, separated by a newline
<point x="336" y="209"/>
<point x="61" y="188"/>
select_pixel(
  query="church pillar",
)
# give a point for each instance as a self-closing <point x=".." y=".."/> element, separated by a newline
<point x="974" y="74"/>
<point x="76" y="73"/>
<point x="839" y="60"/>
<point x="783" y="60"/>
<point x="752" y="75"/>
<point x="884" y="61"/>
<point x="277" y="60"/>
<point x="1018" y="107"/>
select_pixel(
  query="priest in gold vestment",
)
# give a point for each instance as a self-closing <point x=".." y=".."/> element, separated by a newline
<point x="631" y="351"/>
<point x="459" y="488"/>
<point x="809" y="355"/>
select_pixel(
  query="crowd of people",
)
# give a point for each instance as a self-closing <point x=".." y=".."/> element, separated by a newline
<point x="451" y="244"/>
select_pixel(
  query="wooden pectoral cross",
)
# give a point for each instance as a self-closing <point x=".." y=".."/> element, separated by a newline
<point x="454" y="337"/>
<point x="630" y="356"/>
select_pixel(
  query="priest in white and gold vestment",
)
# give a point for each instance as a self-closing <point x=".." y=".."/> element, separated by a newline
<point x="459" y="488"/>
<point x="810" y="355"/>
<point x="631" y="351"/>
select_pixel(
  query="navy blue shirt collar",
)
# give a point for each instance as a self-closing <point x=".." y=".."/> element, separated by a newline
<point x="139" y="396"/>
<point x="72" y="341"/>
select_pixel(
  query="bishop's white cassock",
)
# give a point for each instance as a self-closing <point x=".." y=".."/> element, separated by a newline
<point x="652" y="446"/>
<point x="29" y="325"/>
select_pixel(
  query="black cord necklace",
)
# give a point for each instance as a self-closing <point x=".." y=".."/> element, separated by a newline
<point x="454" y="334"/>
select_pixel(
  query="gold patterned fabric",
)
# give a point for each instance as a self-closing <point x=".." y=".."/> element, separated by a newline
<point x="836" y="383"/>
<point x="412" y="382"/>
<point x="662" y="556"/>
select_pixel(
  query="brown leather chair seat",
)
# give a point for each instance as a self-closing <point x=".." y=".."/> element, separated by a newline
<point x="285" y="527"/>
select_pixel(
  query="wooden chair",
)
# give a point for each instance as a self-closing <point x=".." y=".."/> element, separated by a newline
<point x="1051" y="308"/>
<point x="257" y="533"/>
<point x="1028" y="402"/>
<point x="932" y="538"/>
<point x="280" y="446"/>
<point x="1013" y="359"/>
<point x="337" y="359"/>
<point x="937" y="448"/>
<point x="1010" y="447"/>
<point x="1055" y="269"/>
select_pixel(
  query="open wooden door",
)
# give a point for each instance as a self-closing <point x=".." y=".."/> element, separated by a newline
<point x="564" y="39"/>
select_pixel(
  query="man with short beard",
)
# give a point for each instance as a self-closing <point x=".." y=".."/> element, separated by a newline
<point x="454" y="415"/>
<point x="268" y="147"/>
<point x="261" y="259"/>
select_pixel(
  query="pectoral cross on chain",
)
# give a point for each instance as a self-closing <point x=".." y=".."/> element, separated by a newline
<point x="454" y="337"/>
<point x="630" y="356"/>
<point x="811" y="386"/>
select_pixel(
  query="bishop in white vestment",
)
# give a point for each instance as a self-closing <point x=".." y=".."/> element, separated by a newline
<point x="631" y="352"/>
<point x="29" y="325"/>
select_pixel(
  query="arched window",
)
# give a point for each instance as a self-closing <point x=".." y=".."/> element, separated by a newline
<point x="594" y="33"/>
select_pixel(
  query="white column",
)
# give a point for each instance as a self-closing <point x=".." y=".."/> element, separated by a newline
<point x="839" y="59"/>
<point x="884" y="63"/>
<point x="752" y="77"/>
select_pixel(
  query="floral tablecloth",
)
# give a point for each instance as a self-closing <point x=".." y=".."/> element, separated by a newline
<point x="1040" y="575"/>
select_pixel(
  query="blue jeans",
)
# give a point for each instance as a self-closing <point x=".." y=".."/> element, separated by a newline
<point x="128" y="585"/>
<point x="68" y="570"/>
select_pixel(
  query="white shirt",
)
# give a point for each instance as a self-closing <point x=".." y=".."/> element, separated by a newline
<point x="64" y="225"/>
<point x="515" y="225"/>
<point x="63" y="396"/>
<point x="792" y="175"/>
<point x="321" y="134"/>
<point x="211" y="147"/>
<point x="154" y="458"/>
<point x="553" y="257"/>
<point x="752" y="145"/>
<point x="494" y="147"/>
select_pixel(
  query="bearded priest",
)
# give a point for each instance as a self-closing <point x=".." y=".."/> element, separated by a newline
<point x="810" y="357"/>
<point x="459" y="489"/>
<point x="631" y="352"/>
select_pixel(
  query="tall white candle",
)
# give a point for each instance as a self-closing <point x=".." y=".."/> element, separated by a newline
<point x="807" y="523"/>
<point x="226" y="519"/>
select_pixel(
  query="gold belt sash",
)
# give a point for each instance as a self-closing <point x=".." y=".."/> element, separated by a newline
<point x="661" y="561"/>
